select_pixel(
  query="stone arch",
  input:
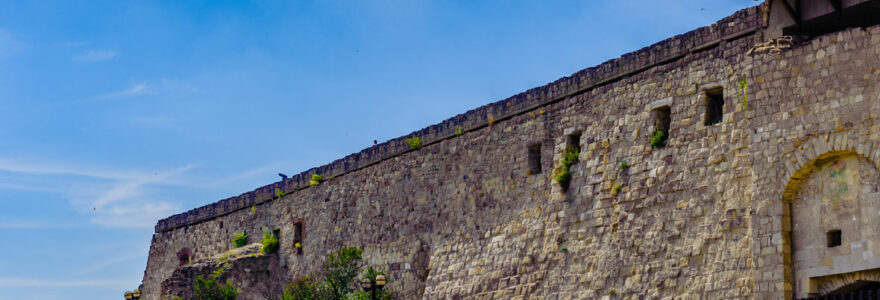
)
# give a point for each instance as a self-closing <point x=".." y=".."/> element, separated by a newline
<point x="850" y="281"/>
<point x="826" y="273"/>
<point x="184" y="256"/>
<point x="809" y="154"/>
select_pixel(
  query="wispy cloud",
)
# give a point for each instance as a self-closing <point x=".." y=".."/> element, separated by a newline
<point x="14" y="282"/>
<point x="32" y="225"/>
<point x="163" y="86"/>
<point x="134" y="214"/>
<point x="134" y="188"/>
<point x="9" y="44"/>
<point x="258" y="171"/>
<point x="150" y="120"/>
<point x="19" y="165"/>
<point x="95" y="55"/>
<point x="104" y="264"/>
<point x="71" y="44"/>
<point x="112" y="198"/>
<point x="137" y="89"/>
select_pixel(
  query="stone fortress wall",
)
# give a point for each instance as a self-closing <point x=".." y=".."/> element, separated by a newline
<point x="470" y="214"/>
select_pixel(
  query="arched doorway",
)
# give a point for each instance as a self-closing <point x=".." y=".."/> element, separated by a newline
<point x="833" y="215"/>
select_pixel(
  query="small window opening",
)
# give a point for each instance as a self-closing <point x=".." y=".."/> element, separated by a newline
<point x="714" y="106"/>
<point x="221" y="224"/>
<point x="574" y="144"/>
<point x="834" y="238"/>
<point x="298" y="237"/>
<point x="183" y="256"/>
<point x="534" y="159"/>
<point x="662" y="120"/>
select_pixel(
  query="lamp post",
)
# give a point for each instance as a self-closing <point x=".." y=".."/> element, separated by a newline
<point x="133" y="295"/>
<point x="373" y="286"/>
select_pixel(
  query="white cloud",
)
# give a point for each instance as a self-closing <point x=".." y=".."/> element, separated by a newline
<point x="14" y="282"/>
<point x="95" y="56"/>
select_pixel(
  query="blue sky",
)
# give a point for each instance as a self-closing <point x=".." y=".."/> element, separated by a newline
<point x="118" y="113"/>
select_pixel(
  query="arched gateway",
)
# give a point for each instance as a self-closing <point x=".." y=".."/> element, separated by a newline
<point x="832" y="219"/>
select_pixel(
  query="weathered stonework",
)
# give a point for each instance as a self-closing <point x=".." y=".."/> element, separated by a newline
<point x="709" y="216"/>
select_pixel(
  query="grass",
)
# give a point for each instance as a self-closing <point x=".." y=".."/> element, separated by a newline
<point x="616" y="189"/>
<point x="658" y="140"/>
<point x="563" y="174"/>
<point x="270" y="243"/>
<point x="239" y="239"/>
<point x="742" y="88"/>
<point x="415" y="143"/>
<point x="316" y="179"/>
<point x="209" y="289"/>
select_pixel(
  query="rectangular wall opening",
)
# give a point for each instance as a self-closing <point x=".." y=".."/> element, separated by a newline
<point x="574" y="143"/>
<point x="662" y="121"/>
<point x="298" y="237"/>
<point x="714" y="106"/>
<point x="834" y="238"/>
<point x="534" y="159"/>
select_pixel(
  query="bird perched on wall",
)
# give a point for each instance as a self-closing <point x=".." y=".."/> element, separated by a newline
<point x="283" y="177"/>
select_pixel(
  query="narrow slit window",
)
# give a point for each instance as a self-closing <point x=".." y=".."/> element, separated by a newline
<point x="714" y="106"/>
<point x="662" y="121"/>
<point x="298" y="237"/>
<point x="534" y="159"/>
<point x="574" y="144"/>
<point x="834" y="238"/>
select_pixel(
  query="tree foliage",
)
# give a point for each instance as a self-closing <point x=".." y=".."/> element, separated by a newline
<point x="209" y="289"/>
<point x="340" y="279"/>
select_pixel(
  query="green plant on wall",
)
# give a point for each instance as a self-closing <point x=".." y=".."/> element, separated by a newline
<point x="209" y="289"/>
<point x="459" y="132"/>
<point x="239" y="239"/>
<point x="302" y="288"/>
<point x="563" y="174"/>
<point x="616" y="189"/>
<point x="270" y="242"/>
<point x="624" y="165"/>
<point x="742" y="90"/>
<point x="340" y="279"/>
<point x="221" y="268"/>
<point x="316" y="179"/>
<point x="415" y="143"/>
<point x="278" y="193"/>
<point x="658" y="140"/>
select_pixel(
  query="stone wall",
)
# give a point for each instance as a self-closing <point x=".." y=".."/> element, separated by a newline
<point x="707" y="216"/>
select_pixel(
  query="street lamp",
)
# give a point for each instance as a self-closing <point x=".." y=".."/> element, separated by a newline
<point x="133" y="295"/>
<point x="372" y="287"/>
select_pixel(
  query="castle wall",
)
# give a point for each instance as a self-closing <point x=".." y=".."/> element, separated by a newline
<point x="466" y="216"/>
